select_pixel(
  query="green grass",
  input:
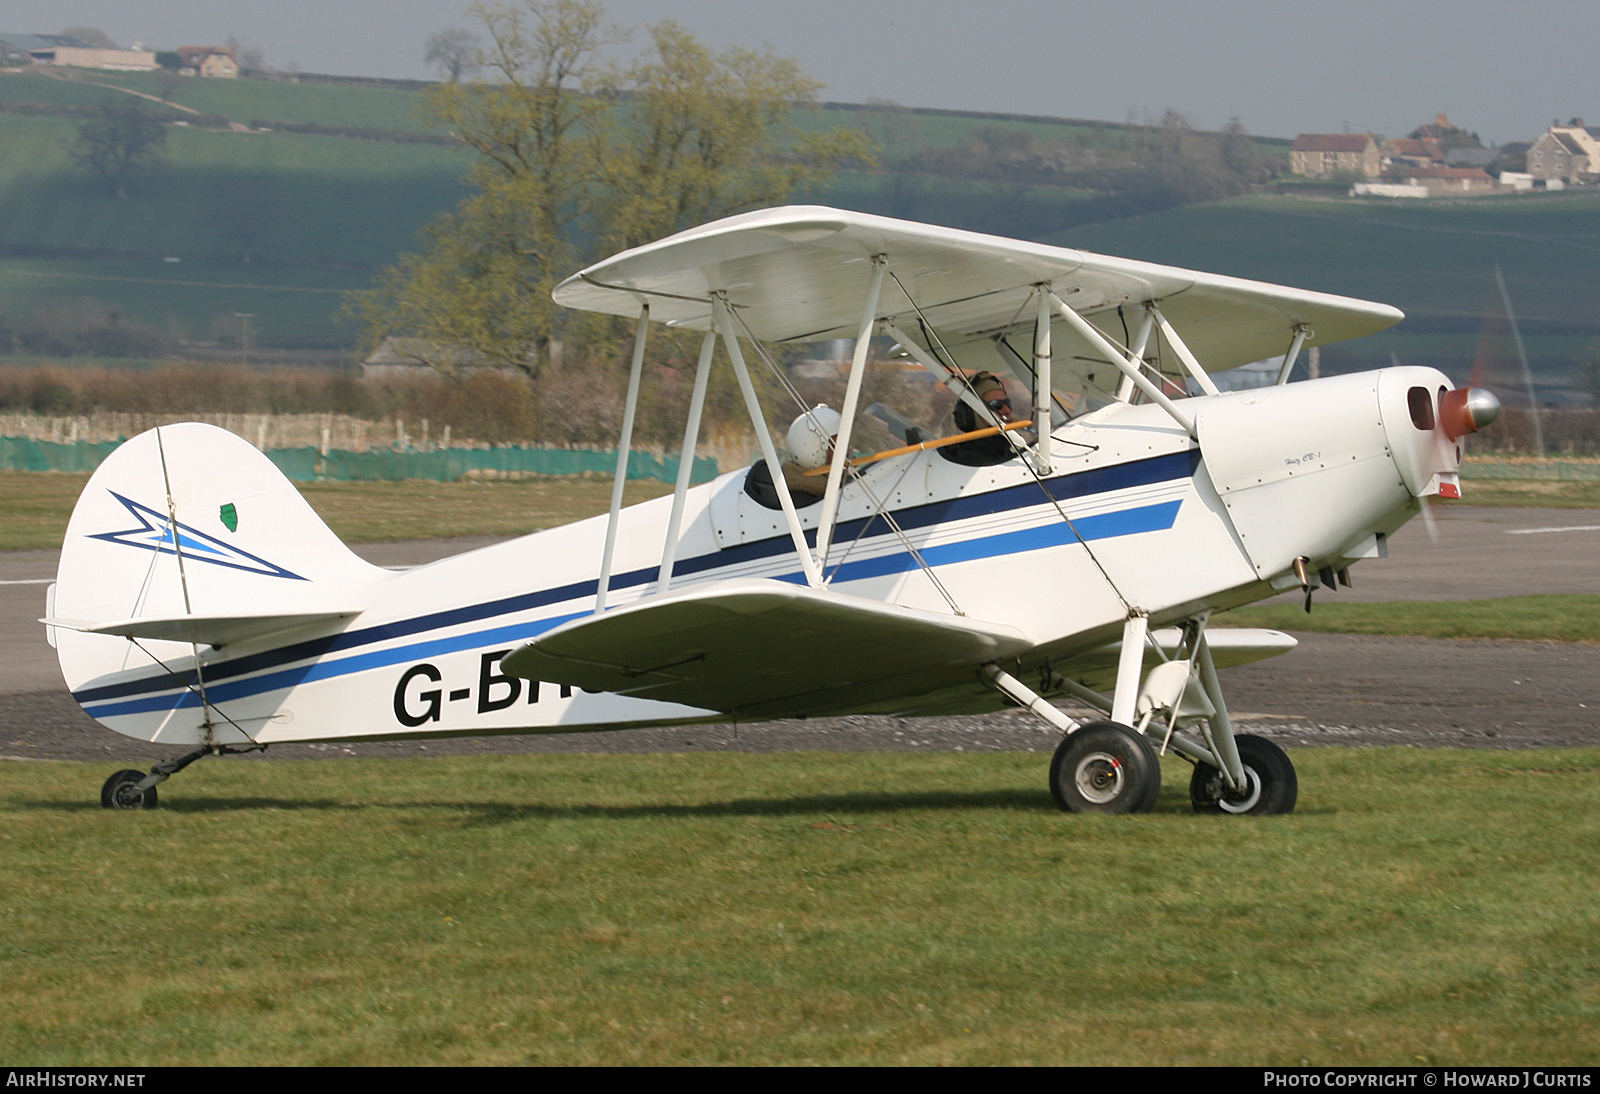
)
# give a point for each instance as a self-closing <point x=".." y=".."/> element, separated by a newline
<point x="34" y="508"/>
<point x="1420" y="908"/>
<point x="30" y="87"/>
<point x="357" y="205"/>
<point x="367" y="512"/>
<point x="1554" y="617"/>
<point x="239" y="100"/>
<point x="314" y="215"/>
<point x="290" y="306"/>
<point x="322" y="200"/>
<point x="1547" y="246"/>
<point x="1528" y="493"/>
<point x="272" y="100"/>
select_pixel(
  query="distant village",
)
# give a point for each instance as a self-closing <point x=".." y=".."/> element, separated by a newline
<point x="1438" y="159"/>
<point x="67" y="51"/>
<point x="1443" y="160"/>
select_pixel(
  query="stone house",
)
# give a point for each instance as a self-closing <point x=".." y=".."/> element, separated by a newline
<point x="1323" y="155"/>
<point x="217" y="61"/>
<point x="1567" y="152"/>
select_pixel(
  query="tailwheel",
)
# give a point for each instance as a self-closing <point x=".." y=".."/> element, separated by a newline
<point x="121" y="791"/>
<point x="1270" y="783"/>
<point x="1104" y="767"/>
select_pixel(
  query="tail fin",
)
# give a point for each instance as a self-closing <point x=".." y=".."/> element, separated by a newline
<point x="187" y="534"/>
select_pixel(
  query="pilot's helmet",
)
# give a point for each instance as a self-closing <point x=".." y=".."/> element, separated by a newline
<point x="811" y="436"/>
<point x="992" y="391"/>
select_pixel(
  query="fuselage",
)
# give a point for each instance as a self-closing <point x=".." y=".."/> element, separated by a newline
<point x="1135" y="516"/>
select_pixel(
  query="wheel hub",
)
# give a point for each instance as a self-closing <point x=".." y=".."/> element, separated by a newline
<point x="1233" y="801"/>
<point x="1099" y="777"/>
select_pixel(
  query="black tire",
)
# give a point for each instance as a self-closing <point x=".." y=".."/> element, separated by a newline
<point x="1273" y="787"/>
<point x="1104" y="767"/>
<point x="119" y="792"/>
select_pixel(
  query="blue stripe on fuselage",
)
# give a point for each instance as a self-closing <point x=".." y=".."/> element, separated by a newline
<point x="1146" y="472"/>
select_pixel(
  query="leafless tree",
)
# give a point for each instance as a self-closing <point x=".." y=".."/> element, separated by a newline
<point x="453" y="50"/>
<point x="251" y="58"/>
<point x="119" y="139"/>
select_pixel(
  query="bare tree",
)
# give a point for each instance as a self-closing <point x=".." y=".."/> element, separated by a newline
<point x="119" y="139"/>
<point x="454" y="51"/>
<point x="251" y="58"/>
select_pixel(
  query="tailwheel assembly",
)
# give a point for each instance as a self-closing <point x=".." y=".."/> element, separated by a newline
<point x="122" y="791"/>
<point x="136" y="790"/>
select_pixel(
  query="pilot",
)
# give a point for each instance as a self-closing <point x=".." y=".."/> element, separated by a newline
<point x="811" y="438"/>
<point x="810" y="441"/>
<point x="984" y="451"/>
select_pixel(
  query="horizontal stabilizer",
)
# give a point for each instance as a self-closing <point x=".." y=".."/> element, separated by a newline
<point x="206" y="630"/>
<point x="767" y="648"/>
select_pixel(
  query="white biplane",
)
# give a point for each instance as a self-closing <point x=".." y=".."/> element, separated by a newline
<point x="201" y="603"/>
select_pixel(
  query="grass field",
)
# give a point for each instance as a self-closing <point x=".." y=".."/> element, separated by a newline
<point x="306" y="198"/>
<point x="1433" y="260"/>
<point x="36" y="507"/>
<point x="1544" y="618"/>
<point x="279" y="225"/>
<point x="289" y="306"/>
<point x="248" y="100"/>
<point x="1526" y="493"/>
<point x="1420" y="908"/>
<point x="295" y="200"/>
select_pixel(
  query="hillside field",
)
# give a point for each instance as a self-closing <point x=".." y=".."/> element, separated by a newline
<point x="1433" y="260"/>
<point x="281" y="224"/>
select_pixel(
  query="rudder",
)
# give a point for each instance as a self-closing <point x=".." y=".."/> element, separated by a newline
<point x="246" y="551"/>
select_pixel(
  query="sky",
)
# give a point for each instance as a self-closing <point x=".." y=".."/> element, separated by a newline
<point x="1382" y="66"/>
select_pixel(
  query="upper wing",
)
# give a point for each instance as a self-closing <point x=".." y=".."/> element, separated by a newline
<point x="799" y="274"/>
<point x="759" y="647"/>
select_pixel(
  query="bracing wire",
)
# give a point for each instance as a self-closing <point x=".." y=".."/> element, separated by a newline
<point x="880" y="507"/>
<point x="198" y="693"/>
<point x="905" y="541"/>
<point x="933" y="335"/>
<point x="188" y="609"/>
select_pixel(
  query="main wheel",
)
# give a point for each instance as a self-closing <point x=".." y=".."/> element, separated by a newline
<point x="120" y="792"/>
<point x="1270" y="783"/>
<point x="1104" y="767"/>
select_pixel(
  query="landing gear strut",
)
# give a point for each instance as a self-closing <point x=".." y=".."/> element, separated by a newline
<point x="1115" y="766"/>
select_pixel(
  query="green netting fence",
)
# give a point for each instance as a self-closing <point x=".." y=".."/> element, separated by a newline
<point x="385" y="465"/>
